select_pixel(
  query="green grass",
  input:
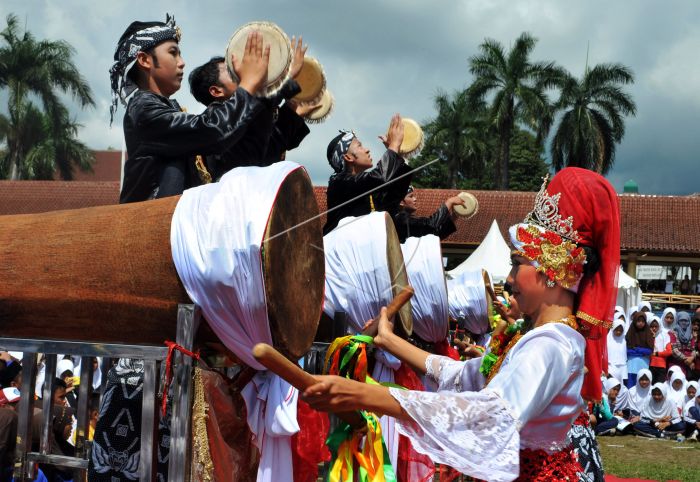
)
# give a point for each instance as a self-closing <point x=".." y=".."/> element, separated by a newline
<point x="652" y="459"/>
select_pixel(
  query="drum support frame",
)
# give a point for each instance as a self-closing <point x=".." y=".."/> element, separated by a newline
<point x="188" y="319"/>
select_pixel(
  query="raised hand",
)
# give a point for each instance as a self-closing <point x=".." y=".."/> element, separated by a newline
<point x="252" y="68"/>
<point x="303" y="110"/>
<point x="298" y="53"/>
<point x="394" y="136"/>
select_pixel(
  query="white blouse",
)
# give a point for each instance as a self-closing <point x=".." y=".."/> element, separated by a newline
<point x="530" y="403"/>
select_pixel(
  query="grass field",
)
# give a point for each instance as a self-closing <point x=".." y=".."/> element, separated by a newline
<point x="652" y="459"/>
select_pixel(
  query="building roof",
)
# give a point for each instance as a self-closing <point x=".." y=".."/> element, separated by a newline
<point x="660" y="225"/>
<point x="107" y="168"/>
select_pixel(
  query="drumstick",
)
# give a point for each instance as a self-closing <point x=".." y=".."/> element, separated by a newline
<point x="298" y="378"/>
<point x="396" y="304"/>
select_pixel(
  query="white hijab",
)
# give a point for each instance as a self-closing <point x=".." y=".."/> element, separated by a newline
<point x="63" y="366"/>
<point x="694" y="385"/>
<point x="617" y="345"/>
<point x="672" y="370"/>
<point x="655" y="410"/>
<point x="677" y="397"/>
<point x="691" y="403"/>
<point x="644" y="304"/>
<point x="622" y="399"/>
<point x="662" y="324"/>
<point x="662" y="338"/>
<point x="638" y="396"/>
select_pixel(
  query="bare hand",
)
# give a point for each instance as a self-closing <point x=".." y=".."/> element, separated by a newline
<point x="383" y="326"/>
<point x="689" y="360"/>
<point x="298" y="53"/>
<point x="303" y="110"/>
<point x="635" y="419"/>
<point x="334" y="394"/>
<point x="252" y="68"/>
<point x="394" y="137"/>
<point x="663" y="425"/>
<point x="454" y="201"/>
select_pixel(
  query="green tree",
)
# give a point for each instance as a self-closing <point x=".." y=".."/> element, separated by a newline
<point x="518" y="88"/>
<point x="527" y="162"/>
<point x="44" y="69"/>
<point x="593" y="118"/>
<point x="457" y="136"/>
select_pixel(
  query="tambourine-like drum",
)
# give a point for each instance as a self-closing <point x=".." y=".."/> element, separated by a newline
<point x="106" y="274"/>
<point x="412" y="138"/>
<point x="365" y="270"/>
<point x="470" y="296"/>
<point x="280" y="53"/>
<point x="471" y="205"/>
<point x="324" y="111"/>
<point x="312" y="81"/>
<point x="423" y="259"/>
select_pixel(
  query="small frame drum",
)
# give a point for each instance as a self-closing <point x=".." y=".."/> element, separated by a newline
<point x="280" y="53"/>
<point x="324" y="111"/>
<point x="312" y="81"/>
<point x="412" y="138"/>
<point x="471" y="205"/>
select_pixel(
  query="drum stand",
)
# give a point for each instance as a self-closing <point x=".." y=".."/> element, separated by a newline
<point x="188" y="318"/>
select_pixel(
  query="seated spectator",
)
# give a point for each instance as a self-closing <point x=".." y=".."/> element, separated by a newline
<point x="605" y="422"/>
<point x="640" y="394"/>
<point x="640" y="344"/>
<point x="683" y="343"/>
<point x="659" y="417"/>
<point x="676" y="390"/>
<point x="691" y="415"/>
<point x="662" y="350"/>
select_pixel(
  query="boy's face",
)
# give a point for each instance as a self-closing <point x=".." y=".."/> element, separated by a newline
<point x="226" y="86"/>
<point x="169" y="68"/>
<point x="359" y="155"/>
<point x="410" y="202"/>
<point x="59" y="396"/>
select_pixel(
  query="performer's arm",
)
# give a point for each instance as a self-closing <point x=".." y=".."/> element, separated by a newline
<point x="167" y="132"/>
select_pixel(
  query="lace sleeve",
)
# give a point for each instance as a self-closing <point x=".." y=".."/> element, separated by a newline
<point x="474" y="432"/>
<point x="452" y="375"/>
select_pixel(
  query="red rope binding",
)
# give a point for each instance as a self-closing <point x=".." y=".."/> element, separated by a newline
<point x="172" y="346"/>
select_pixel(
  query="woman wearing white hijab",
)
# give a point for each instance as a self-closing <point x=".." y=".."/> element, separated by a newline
<point x="691" y="415"/>
<point x="691" y="391"/>
<point x="658" y="361"/>
<point x="606" y="423"/>
<point x="617" y="351"/>
<point x="675" y="390"/>
<point x="640" y="394"/>
<point x="668" y="319"/>
<point x="659" y="417"/>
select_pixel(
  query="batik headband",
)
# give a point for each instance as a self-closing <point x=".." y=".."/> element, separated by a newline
<point x="340" y="149"/>
<point x="549" y="242"/>
<point x="125" y="57"/>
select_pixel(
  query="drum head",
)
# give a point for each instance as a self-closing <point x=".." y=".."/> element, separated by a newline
<point x="324" y="111"/>
<point x="412" y="138"/>
<point x="471" y="205"/>
<point x="280" y="52"/>
<point x="399" y="277"/>
<point x="312" y="81"/>
<point x="294" y="266"/>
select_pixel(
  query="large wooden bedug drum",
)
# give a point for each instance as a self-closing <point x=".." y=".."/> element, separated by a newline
<point x="106" y="274"/>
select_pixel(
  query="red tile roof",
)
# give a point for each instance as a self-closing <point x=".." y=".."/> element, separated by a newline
<point x="107" y="167"/>
<point x="661" y="225"/>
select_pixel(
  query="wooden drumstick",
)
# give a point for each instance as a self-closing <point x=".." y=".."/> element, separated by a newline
<point x="401" y="299"/>
<point x="298" y="378"/>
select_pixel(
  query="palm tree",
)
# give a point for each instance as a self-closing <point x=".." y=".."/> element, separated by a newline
<point x="41" y="68"/>
<point x="519" y="88"/>
<point x="592" y="122"/>
<point x="457" y="135"/>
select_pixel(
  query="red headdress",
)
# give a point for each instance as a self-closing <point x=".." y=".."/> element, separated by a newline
<point x="579" y="208"/>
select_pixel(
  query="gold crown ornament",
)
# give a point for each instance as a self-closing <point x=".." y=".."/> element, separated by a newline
<point x="546" y="214"/>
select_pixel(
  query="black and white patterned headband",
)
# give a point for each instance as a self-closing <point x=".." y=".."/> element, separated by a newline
<point x="340" y="149"/>
<point x="145" y="38"/>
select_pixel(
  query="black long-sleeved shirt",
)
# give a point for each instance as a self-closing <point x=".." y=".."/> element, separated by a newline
<point x="344" y="186"/>
<point x="440" y="223"/>
<point x="162" y="141"/>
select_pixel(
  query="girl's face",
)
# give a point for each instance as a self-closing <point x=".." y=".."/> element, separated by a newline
<point x="657" y="395"/>
<point x="677" y="384"/>
<point x="691" y="391"/>
<point x="644" y="382"/>
<point x="618" y="331"/>
<point x="640" y="321"/>
<point x="654" y="327"/>
<point x="668" y="319"/>
<point x="528" y="285"/>
<point x="614" y="391"/>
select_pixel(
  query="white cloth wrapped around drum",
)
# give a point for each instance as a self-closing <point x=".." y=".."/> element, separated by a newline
<point x="217" y="235"/>
<point x="361" y="278"/>
<point x="429" y="306"/>
<point x="468" y="302"/>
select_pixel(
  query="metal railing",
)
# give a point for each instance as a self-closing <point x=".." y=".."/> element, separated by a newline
<point x="26" y="459"/>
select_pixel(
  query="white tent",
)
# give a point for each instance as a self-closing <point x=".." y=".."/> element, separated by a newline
<point x="493" y="255"/>
<point x="628" y="292"/>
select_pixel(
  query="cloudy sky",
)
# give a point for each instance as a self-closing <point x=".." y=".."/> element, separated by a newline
<point x="387" y="56"/>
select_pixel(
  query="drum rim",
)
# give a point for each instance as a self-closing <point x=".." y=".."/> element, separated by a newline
<point x="322" y="118"/>
<point x="459" y="207"/>
<point x="274" y="87"/>
<point x="322" y="90"/>
<point x="421" y="141"/>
